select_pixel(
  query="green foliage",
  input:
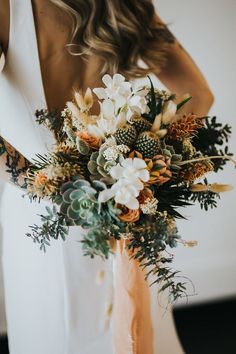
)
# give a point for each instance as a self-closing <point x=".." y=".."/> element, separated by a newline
<point x="171" y="196"/>
<point x="53" y="226"/>
<point x="150" y="243"/>
<point x="211" y="141"/>
<point x="206" y="199"/>
<point x="52" y="120"/>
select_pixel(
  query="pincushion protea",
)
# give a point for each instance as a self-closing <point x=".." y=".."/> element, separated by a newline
<point x="185" y="127"/>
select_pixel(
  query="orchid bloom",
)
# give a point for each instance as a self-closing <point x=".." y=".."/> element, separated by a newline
<point x="130" y="175"/>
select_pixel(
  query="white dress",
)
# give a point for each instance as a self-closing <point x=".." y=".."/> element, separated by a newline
<point x="54" y="304"/>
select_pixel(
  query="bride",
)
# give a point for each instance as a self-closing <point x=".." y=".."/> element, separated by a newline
<point x="61" y="302"/>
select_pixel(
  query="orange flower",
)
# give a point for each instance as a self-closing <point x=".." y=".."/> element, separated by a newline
<point x="128" y="215"/>
<point x="93" y="141"/>
<point x="40" y="180"/>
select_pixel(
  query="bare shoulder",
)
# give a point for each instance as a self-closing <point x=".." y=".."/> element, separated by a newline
<point x="5" y="24"/>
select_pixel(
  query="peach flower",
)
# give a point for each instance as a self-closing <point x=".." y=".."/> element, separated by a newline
<point x="40" y="180"/>
<point x="93" y="141"/>
<point x="128" y="215"/>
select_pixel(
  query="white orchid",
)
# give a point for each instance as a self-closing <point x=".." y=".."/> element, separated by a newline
<point x="107" y="122"/>
<point x="130" y="175"/>
<point x="115" y="87"/>
<point x="133" y="170"/>
<point x="127" y="99"/>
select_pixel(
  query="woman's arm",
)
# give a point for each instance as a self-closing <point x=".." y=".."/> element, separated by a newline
<point x="181" y="75"/>
<point x="13" y="165"/>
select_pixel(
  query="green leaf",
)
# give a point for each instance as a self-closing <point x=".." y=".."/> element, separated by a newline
<point x="183" y="102"/>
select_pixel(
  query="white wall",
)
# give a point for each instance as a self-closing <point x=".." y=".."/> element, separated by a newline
<point x="207" y="28"/>
<point x="2" y="312"/>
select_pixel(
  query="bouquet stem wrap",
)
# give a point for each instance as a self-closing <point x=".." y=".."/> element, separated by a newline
<point x="131" y="321"/>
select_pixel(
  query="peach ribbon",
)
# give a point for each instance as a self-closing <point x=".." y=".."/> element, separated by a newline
<point x="131" y="319"/>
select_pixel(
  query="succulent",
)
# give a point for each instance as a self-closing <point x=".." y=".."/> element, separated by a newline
<point x="159" y="168"/>
<point x="82" y="146"/>
<point x="170" y="155"/>
<point x="99" y="167"/>
<point x="126" y="135"/>
<point x="148" y="144"/>
<point x="79" y="202"/>
<point x="141" y="124"/>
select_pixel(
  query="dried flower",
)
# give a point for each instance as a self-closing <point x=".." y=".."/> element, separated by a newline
<point x="185" y="127"/>
<point x="149" y="206"/>
<point x="196" y="170"/>
<point x="215" y="187"/>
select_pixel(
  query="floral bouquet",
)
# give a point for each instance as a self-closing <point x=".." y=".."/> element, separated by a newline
<point x="122" y="174"/>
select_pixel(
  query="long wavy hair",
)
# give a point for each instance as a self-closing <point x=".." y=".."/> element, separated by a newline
<point x="121" y="32"/>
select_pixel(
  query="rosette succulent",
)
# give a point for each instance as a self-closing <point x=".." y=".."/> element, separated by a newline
<point x="99" y="166"/>
<point x="79" y="203"/>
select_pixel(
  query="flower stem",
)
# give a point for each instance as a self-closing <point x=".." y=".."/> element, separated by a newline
<point x="224" y="157"/>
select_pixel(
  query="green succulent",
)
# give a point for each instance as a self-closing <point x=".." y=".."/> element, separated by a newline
<point x="82" y="146"/>
<point x="169" y="152"/>
<point x="99" y="167"/>
<point x="79" y="203"/>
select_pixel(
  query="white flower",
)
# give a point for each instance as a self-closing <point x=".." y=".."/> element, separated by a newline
<point x="107" y="122"/>
<point x="115" y="86"/>
<point x="113" y="152"/>
<point x="130" y="175"/>
<point x="133" y="170"/>
<point x="123" y="192"/>
<point x="127" y="100"/>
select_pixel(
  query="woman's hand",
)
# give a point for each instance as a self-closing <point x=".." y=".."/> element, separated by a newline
<point x="181" y="75"/>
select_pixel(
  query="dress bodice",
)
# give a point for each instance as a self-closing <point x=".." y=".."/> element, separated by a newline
<point x="21" y="87"/>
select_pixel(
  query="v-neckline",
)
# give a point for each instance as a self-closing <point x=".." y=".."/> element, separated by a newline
<point x="37" y="57"/>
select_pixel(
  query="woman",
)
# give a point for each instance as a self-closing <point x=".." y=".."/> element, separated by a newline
<point x="53" y="302"/>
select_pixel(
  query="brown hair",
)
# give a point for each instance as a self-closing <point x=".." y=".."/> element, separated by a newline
<point x="119" y="31"/>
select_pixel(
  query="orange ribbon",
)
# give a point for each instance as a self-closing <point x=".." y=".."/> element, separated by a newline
<point x="131" y="320"/>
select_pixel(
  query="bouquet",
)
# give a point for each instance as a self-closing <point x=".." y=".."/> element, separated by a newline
<point x="123" y="174"/>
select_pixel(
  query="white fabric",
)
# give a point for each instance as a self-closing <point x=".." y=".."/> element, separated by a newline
<point x="53" y="303"/>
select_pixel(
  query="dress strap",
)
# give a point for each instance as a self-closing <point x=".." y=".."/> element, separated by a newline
<point x="21" y="86"/>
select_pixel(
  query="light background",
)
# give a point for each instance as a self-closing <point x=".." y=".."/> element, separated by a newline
<point x="206" y="28"/>
<point x="207" y="31"/>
